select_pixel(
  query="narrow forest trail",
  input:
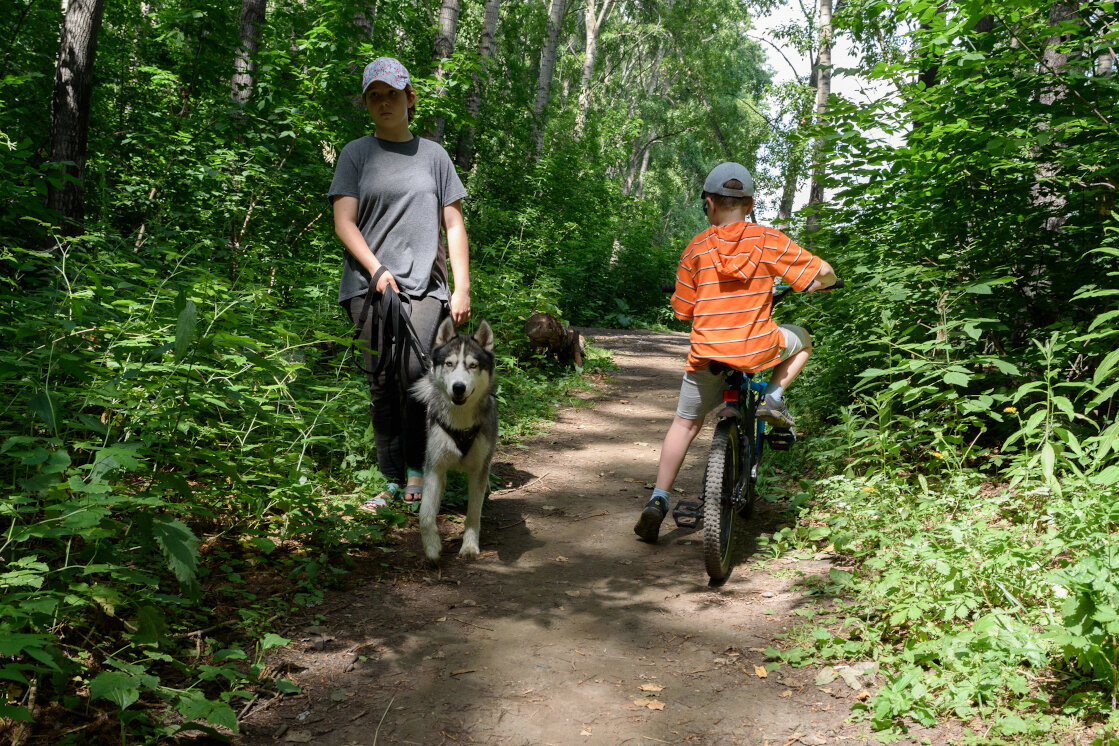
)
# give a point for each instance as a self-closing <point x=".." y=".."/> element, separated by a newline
<point x="567" y="630"/>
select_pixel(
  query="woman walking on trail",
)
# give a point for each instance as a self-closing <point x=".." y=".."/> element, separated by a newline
<point x="395" y="198"/>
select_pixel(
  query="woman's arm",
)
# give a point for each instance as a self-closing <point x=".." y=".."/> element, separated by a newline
<point x="459" y="253"/>
<point x="345" y="227"/>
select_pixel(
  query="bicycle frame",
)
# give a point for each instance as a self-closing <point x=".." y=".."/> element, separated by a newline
<point x="753" y="390"/>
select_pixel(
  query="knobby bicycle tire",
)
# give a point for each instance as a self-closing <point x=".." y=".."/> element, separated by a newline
<point x="724" y="469"/>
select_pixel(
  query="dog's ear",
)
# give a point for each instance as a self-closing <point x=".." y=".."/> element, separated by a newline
<point x="484" y="336"/>
<point x="446" y="332"/>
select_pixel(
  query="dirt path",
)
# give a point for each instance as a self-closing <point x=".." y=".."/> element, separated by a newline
<point x="567" y="630"/>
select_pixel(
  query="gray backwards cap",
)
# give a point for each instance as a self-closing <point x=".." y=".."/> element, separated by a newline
<point x="725" y="172"/>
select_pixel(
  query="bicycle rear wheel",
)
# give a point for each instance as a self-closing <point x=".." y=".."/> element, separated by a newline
<point x="724" y="469"/>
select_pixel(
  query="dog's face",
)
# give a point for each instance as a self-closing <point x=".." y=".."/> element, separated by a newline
<point x="462" y="365"/>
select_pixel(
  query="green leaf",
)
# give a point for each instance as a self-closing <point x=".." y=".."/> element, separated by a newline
<point x="955" y="378"/>
<point x="272" y="640"/>
<point x="115" y="686"/>
<point x="1107" y="477"/>
<point x="180" y="548"/>
<point x="46" y="407"/>
<point x="1048" y="460"/>
<point x="1106" y="366"/>
<point x="184" y="329"/>
<point x="287" y="687"/>
<point x="16" y="713"/>
<point x="194" y="706"/>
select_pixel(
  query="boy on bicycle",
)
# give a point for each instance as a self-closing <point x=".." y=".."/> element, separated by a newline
<point x="724" y="284"/>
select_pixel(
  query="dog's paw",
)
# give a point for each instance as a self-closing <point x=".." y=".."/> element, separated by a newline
<point x="469" y="550"/>
<point x="433" y="547"/>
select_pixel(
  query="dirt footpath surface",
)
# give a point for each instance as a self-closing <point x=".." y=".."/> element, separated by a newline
<point x="567" y="630"/>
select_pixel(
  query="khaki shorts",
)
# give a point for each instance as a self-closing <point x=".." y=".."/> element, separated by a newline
<point x="702" y="390"/>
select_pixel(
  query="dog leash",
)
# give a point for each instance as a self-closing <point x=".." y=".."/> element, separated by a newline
<point x="399" y="340"/>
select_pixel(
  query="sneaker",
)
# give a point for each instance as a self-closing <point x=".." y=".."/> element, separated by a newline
<point x="773" y="411"/>
<point x="649" y="524"/>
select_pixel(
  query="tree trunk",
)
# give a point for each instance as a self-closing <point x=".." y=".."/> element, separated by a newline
<point x="930" y="63"/>
<point x="244" y="64"/>
<point x="594" y="25"/>
<point x="73" y="88"/>
<point x="788" y="193"/>
<point x="1047" y="196"/>
<point x="444" y="46"/>
<point x="465" y="153"/>
<point x="547" y="68"/>
<point x="640" y="191"/>
<point x="367" y="19"/>
<point x="823" y="90"/>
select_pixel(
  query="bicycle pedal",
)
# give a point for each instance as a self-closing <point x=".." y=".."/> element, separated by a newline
<point x="688" y="513"/>
<point x="781" y="438"/>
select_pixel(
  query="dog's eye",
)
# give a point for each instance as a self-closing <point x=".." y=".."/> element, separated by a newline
<point x="449" y="364"/>
<point x="473" y="366"/>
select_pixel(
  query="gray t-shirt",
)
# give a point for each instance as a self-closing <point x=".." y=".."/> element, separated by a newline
<point x="401" y="188"/>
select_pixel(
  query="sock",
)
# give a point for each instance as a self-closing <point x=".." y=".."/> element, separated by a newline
<point x="661" y="494"/>
<point x="415" y="472"/>
<point x="392" y="488"/>
<point x="772" y="389"/>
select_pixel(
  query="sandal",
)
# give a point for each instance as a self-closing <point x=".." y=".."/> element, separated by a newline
<point x="374" y="504"/>
<point x="413" y="493"/>
<point x="381" y="499"/>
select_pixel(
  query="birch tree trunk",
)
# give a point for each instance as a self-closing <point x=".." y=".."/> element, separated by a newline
<point x="823" y="90"/>
<point x="444" y="46"/>
<point x="547" y="68"/>
<point x="366" y="19"/>
<point x="244" y="63"/>
<point x="465" y="153"/>
<point x="1047" y="194"/>
<point x="594" y="25"/>
<point x="69" y="130"/>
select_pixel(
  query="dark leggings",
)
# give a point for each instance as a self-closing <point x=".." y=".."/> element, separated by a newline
<point x="400" y="436"/>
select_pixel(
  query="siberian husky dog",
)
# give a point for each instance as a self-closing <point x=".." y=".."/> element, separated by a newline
<point x="461" y="428"/>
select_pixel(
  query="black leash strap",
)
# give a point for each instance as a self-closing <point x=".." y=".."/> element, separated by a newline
<point x="398" y="338"/>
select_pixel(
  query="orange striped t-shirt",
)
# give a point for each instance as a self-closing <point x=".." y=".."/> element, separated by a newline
<point x="724" y="284"/>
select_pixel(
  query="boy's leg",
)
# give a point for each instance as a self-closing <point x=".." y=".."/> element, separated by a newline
<point x="794" y="355"/>
<point x="699" y="392"/>
<point x="679" y="438"/>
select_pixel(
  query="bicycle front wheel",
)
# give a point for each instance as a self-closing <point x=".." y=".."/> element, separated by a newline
<point x="724" y="468"/>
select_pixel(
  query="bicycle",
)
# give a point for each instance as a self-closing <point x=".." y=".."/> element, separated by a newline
<point x="731" y="476"/>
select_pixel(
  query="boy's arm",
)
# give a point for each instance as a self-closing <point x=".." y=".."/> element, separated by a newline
<point x="824" y="279"/>
<point x="683" y="300"/>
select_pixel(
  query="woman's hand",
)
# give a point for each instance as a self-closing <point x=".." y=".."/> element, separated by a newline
<point x="460" y="307"/>
<point x="385" y="280"/>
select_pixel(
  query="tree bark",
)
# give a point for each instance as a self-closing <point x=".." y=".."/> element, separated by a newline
<point x="69" y="131"/>
<point x="1047" y="196"/>
<point x="244" y="63"/>
<point x="788" y="193"/>
<point x="444" y="47"/>
<point x="930" y="63"/>
<point x="594" y="26"/>
<point x="465" y="153"/>
<point x="823" y="90"/>
<point x="547" y="68"/>
<point x="366" y="20"/>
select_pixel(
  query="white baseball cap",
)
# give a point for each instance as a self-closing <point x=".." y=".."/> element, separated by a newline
<point x="729" y="171"/>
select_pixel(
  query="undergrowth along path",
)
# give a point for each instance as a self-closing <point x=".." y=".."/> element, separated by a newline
<point x="567" y="630"/>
